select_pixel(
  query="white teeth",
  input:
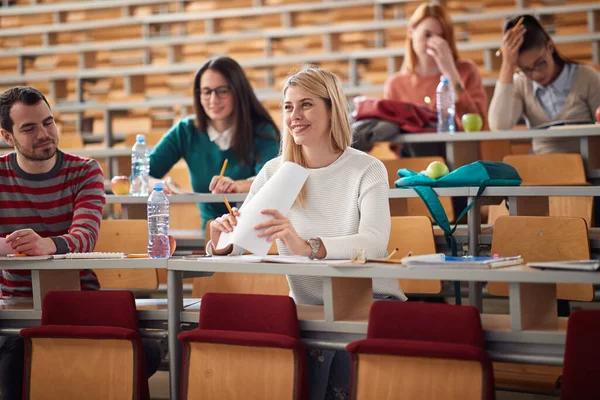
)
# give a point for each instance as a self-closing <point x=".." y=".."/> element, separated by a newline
<point x="299" y="128"/>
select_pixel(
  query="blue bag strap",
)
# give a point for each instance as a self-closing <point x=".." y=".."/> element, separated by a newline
<point x="434" y="206"/>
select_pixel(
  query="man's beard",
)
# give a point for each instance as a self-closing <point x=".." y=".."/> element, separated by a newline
<point x="46" y="154"/>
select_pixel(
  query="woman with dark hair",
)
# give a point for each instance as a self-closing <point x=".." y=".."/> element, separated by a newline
<point x="548" y="87"/>
<point x="230" y="123"/>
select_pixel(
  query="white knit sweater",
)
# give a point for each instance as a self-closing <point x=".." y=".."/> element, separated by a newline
<point x="347" y="207"/>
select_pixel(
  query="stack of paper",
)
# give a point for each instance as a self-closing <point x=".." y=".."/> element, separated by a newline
<point x="444" y="261"/>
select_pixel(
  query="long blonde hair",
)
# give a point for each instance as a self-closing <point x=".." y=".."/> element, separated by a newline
<point x="320" y="83"/>
<point x="429" y="10"/>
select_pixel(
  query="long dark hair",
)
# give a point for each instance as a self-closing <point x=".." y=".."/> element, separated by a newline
<point x="248" y="111"/>
<point x="536" y="37"/>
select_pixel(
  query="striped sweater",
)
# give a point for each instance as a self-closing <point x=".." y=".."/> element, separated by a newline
<point x="347" y="207"/>
<point x="64" y="204"/>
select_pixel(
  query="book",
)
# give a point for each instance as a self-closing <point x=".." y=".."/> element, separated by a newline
<point x="577" y="265"/>
<point x="444" y="261"/>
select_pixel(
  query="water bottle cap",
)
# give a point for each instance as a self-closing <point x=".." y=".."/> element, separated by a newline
<point x="158" y="186"/>
<point x="140" y="138"/>
<point x="444" y="79"/>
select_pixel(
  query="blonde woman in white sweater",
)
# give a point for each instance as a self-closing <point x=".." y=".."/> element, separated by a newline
<point x="343" y="205"/>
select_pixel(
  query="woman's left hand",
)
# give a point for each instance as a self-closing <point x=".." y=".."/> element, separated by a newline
<point x="222" y="185"/>
<point x="439" y="49"/>
<point x="279" y="227"/>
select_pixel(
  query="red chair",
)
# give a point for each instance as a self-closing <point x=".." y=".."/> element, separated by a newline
<point x="246" y="347"/>
<point x="421" y="351"/>
<point x="87" y="347"/>
<point x="582" y="352"/>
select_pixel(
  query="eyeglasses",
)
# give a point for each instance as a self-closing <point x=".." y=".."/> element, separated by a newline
<point x="220" y="91"/>
<point x="538" y="66"/>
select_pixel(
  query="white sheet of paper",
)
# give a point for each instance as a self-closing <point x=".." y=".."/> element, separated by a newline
<point x="5" y="248"/>
<point x="279" y="193"/>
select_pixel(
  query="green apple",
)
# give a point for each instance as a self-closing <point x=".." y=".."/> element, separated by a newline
<point x="436" y="170"/>
<point x="472" y="122"/>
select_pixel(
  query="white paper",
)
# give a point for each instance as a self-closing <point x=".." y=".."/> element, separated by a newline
<point x="303" y="260"/>
<point x="5" y="248"/>
<point x="279" y="193"/>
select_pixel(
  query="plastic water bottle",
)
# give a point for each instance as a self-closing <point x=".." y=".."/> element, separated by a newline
<point x="158" y="223"/>
<point x="446" y="108"/>
<point x="140" y="167"/>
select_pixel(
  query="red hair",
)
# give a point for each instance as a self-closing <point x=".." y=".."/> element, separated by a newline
<point x="429" y="10"/>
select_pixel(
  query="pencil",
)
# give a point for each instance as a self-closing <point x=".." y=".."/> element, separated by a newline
<point x="391" y="254"/>
<point x="513" y="30"/>
<point x="223" y="168"/>
<point x="227" y="205"/>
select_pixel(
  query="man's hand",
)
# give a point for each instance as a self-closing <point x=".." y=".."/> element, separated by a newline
<point x="26" y="241"/>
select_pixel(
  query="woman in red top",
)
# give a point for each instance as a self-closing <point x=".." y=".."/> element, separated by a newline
<point x="431" y="53"/>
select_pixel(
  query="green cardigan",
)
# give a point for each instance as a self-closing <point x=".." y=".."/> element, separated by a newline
<point x="204" y="159"/>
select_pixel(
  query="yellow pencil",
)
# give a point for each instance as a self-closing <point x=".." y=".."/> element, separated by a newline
<point x="223" y="168"/>
<point x="513" y="30"/>
<point x="227" y="205"/>
<point x="392" y="254"/>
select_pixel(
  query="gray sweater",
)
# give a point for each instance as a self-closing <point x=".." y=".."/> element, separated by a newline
<point x="511" y="101"/>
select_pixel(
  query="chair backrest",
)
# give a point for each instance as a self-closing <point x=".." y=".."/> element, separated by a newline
<point x="87" y="339"/>
<point x="249" y="313"/>
<point x="413" y="235"/>
<point x="421" y="350"/>
<point x="115" y="308"/>
<point x="548" y="169"/>
<point x="414" y="206"/>
<point x="73" y="141"/>
<point x="240" y="282"/>
<point x="582" y="352"/>
<point x="128" y="236"/>
<point x="429" y="322"/>
<point x="541" y="238"/>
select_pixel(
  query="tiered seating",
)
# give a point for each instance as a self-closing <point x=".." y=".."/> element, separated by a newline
<point x="360" y="40"/>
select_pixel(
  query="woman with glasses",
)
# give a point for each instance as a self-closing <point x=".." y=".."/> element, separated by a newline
<point x="430" y="53"/>
<point x="230" y="124"/>
<point x="547" y="88"/>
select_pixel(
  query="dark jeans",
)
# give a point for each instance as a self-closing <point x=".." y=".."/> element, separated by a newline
<point x="12" y="355"/>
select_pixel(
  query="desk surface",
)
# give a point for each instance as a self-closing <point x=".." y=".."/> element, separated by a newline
<point x="23" y="263"/>
<point x="500" y="135"/>
<point x="393" y="194"/>
<point x="518" y="274"/>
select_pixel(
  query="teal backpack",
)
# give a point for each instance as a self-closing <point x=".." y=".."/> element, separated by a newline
<point x="478" y="174"/>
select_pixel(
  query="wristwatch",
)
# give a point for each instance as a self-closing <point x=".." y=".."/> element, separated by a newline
<point x="315" y="245"/>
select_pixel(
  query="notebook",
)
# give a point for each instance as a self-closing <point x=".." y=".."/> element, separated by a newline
<point x="443" y="261"/>
<point x="577" y="265"/>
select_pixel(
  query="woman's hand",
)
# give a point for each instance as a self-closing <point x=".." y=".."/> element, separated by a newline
<point x="439" y="50"/>
<point x="511" y="43"/>
<point x="171" y="187"/>
<point x="279" y="227"/>
<point x="225" y="223"/>
<point x="222" y="185"/>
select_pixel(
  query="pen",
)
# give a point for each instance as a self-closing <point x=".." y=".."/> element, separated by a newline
<point x="513" y="30"/>
<point x="223" y="168"/>
<point x="391" y="254"/>
<point x="227" y="205"/>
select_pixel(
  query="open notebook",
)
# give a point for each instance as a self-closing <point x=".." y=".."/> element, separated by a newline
<point x="577" y="265"/>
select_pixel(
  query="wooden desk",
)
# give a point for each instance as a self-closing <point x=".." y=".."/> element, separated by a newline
<point x="462" y="148"/>
<point x="530" y="334"/>
<point x="63" y="274"/>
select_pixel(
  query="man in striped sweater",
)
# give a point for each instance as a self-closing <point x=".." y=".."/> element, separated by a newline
<point x="50" y="203"/>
